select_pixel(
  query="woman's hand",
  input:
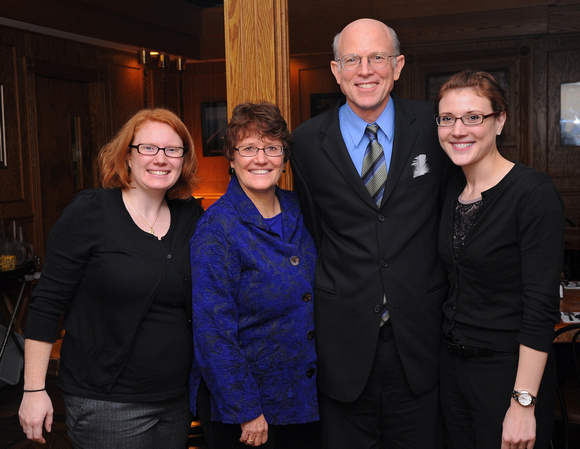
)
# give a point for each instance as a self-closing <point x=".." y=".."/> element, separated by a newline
<point x="36" y="410"/>
<point x="255" y="432"/>
<point x="36" y="407"/>
<point x="519" y="427"/>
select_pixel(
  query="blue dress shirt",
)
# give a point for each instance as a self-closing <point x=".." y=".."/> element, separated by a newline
<point x="353" y="128"/>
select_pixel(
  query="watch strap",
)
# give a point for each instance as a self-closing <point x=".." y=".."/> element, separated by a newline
<point x="516" y="395"/>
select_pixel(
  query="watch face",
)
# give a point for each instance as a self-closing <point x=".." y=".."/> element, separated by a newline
<point x="525" y="398"/>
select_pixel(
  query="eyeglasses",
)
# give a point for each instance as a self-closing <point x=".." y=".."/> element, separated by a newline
<point x="376" y="60"/>
<point x="151" y="150"/>
<point x="469" y="119"/>
<point x="271" y="150"/>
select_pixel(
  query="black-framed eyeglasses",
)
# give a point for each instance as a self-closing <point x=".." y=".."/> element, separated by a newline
<point x="151" y="150"/>
<point x="469" y="119"/>
<point x="270" y="150"/>
<point x="378" y="60"/>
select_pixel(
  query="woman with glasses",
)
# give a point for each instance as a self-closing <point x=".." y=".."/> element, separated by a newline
<point x="117" y="267"/>
<point x="252" y="263"/>
<point x="501" y="239"/>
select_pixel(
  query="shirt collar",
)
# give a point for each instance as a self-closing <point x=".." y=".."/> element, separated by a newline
<point x="357" y="125"/>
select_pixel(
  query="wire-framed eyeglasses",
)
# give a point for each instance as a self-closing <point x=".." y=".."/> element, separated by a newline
<point x="469" y="119"/>
<point x="378" y="60"/>
<point x="270" y="150"/>
<point x="151" y="150"/>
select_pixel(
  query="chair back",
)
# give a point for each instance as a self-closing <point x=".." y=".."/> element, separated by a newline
<point x="568" y="385"/>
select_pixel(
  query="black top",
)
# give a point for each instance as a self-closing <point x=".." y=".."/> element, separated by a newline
<point x="505" y="277"/>
<point x="126" y="297"/>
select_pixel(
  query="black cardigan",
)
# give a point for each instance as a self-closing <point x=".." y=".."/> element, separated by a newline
<point x="102" y="272"/>
<point x="505" y="279"/>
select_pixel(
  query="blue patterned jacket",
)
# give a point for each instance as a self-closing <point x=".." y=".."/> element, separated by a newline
<point x="252" y="312"/>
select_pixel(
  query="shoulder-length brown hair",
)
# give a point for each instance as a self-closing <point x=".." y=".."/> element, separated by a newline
<point x="113" y="167"/>
<point x="262" y="118"/>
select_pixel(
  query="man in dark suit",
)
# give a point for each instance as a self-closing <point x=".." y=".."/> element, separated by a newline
<point x="379" y="284"/>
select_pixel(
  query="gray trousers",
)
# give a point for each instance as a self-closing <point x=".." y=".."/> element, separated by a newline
<point x="96" y="424"/>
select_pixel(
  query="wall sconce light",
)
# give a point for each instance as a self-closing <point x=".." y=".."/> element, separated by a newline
<point x="164" y="64"/>
<point x="164" y="60"/>
<point x="180" y="64"/>
<point x="143" y="57"/>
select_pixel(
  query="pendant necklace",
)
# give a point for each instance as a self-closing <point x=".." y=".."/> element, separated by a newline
<point x="151" y="231"/>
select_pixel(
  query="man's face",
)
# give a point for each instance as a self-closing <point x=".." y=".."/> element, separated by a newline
<point x="367" y="89"/>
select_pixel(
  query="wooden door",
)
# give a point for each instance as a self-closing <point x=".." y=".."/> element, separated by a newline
<point x="63" y="144"/>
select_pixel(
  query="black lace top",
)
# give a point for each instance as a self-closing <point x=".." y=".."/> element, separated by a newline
<point x="463" y="219"/>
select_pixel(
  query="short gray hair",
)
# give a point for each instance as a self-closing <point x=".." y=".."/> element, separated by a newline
<point x="394" y="38"/>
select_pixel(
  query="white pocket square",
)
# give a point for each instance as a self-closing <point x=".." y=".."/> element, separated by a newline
<point x="420" y="166"/>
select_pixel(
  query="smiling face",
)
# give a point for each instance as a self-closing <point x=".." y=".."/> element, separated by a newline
<point x="159" y="172"/>
<point x="259" y="174"/>
<point x="469" y="145"/>
<point x="367" y="89"/>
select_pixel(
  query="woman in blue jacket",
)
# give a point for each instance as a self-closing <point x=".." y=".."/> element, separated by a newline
<point x="252" y="264"/>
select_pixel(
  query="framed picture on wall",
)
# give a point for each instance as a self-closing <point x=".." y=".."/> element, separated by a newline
<point x="434" y="81"/>
<point x="570" y="114"/>
<point x="214" y="118"/>
<point x="324" y="102"/>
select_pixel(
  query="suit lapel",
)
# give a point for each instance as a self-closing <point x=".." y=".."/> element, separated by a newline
<point x="403" y="142"/>
<point x="335" y="148"/>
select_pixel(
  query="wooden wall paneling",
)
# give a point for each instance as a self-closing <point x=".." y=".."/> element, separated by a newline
<point x="463" y="27"/>
<point x="32" y="140"/>
<point x="205" y="82"/>
<point x="437" y="62"/>
<point x="125" y="92"/>
<point x="16" y="179"/>
<point x="250" y="69"/>
<point x="556" y="61"/>
<point x="313" y="24"/>
<point x="13" y="176"/>
<point x="399" y="9"/>
<point x="146" y="23"/>
<point x="396" y="9"/>
<point x="565" y="18"/>
<point x="563" y="161"/>
<point x="257" y="56"/>
<point x="99" y="134"/>
<point x="212" y="38"/>
<point x="63" y="94"/>
<point x="310" y="75"/>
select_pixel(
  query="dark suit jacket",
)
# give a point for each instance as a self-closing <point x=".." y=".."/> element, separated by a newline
<point x="365" y="251"/>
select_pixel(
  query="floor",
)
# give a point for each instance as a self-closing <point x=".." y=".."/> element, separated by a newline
<point x="12" y="437"/>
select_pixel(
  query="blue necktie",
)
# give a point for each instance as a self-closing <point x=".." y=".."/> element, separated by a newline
<point x="374" y="168"/>
<point x="374" y="175"/>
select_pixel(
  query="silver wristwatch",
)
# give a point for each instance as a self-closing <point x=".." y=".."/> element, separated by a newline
<point x="525" y="398"/>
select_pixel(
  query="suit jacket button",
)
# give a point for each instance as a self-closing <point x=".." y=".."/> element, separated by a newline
<point x="310" y="372"/>
<point x="377" y="309"/>
<point x="295" y="260"/>
<point x="384" y="264"/>
<point x="306" y="297"/>
<point x="381" y="218"/>
<point x="310" y="335"/>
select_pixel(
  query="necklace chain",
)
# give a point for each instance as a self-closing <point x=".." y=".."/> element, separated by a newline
<point x="151" y="231"/>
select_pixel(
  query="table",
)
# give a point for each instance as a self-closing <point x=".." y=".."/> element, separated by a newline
<point x="569" y="303"/>
<point x="24" y="276"/>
